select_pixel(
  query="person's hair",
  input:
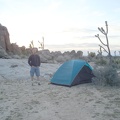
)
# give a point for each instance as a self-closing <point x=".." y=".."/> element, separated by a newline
<point x="34" y="49"/>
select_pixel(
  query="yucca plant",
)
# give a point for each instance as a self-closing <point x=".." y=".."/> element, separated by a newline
<point x="107" y="42"/>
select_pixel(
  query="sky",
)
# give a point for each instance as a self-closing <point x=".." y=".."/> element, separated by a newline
<point x="66" y="25"/>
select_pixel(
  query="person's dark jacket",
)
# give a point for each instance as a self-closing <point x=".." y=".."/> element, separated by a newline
<point x="34" y="60"/>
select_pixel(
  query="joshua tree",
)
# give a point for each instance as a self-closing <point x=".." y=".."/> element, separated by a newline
<point x="41" y="44"/>
<point x="91" y="54"/>
<point x="119" y="52"/>
<point x="31" y="44"/>
<point x="107" y="44"/>
<point x="115" y="53"/>
<point x="88" y="53"/>
<point x="100" y="51"/>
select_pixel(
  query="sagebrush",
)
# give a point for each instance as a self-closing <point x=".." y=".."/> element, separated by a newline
<point x="106" y="75"/>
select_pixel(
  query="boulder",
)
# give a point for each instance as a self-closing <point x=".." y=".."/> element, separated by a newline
<point x="79" y="54"/>
<point x="23" y="50"/>
<point x="28" y="51"/>
<point x="60" y="59"/>
<point x="16" y="57"/>
<point x="43" y="59"/>
<point x="45" y="55"/>
<point x="3" y="53"/>
<point x="56" y="54"/>
<point x="4" y="39"/>
<point x="15" y="49"/>
<point x="67" y="57"/>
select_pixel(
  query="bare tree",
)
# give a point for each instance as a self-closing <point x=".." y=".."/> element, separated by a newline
<point x="41" y="44"/>
<point x="119" y="52"/>
<point x="31" y="44"/>
<point x="100" y="51"/>
<point x="114" y="53"/>
<point x="105" y="44"/>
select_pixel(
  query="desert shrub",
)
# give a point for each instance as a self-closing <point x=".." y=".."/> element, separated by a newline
<point x="91" y="54"/>
<point x="116" y="63"/>
<point x="106" y="75"/>
<point x="23" y="56"/>
<point x="101" y="62"/>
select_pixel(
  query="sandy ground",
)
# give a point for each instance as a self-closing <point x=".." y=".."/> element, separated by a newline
<point x="19" y="100"/>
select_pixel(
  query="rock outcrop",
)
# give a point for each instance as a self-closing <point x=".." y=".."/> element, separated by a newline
<point x="3" y="53"/>
<point x="12" y="50"/>
<point x="5" y="46"/>
<point x="15" y="49"/>
<point x="58" y="57"/>
<point x="7" y="50"/>
<point x="4" y="39"/>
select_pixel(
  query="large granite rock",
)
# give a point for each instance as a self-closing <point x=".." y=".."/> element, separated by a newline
<point x="45" y="56"/>
<point x="3" y="53"/>
<point x="16" y="49"/>
<point x="4" y="39"/>
<point x="8" y="50"/>
<point x="58" y="57"/>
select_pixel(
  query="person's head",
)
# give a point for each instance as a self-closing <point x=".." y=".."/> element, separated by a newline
<point x="34" y="50"/>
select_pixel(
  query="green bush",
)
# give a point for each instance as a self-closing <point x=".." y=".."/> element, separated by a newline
<point x="106" y="75"/>
<point x="101" y="62"/>
<point x="91" y="54"/>
<point x="116" y="63"/>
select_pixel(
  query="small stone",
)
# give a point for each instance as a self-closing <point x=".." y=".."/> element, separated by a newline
<point x="38" y="83"/>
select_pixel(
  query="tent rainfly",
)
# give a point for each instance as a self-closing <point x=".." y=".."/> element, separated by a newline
<point x="73" y="72"/>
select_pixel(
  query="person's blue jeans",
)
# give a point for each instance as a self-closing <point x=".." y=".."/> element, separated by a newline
<point x="34" y="70"/>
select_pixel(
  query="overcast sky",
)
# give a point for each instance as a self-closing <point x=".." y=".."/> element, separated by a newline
<point x="65" y="24"/>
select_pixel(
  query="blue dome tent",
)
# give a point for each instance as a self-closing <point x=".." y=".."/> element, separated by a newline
<point x="72" y="73"/>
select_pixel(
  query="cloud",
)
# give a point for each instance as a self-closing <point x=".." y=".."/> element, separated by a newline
<point x="59" y="21"/>
<point x="114" y="27"/>
<point x="74" y="46"/>
<point x="74" y="29"/>
<point x="85" y="47"/>
<point x="114" y="36"/>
